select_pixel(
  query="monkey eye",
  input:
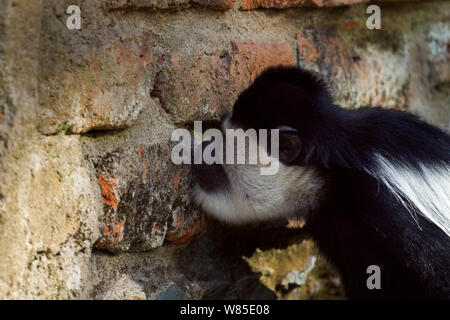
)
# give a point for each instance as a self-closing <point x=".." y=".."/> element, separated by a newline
<point x="289" y="143"/>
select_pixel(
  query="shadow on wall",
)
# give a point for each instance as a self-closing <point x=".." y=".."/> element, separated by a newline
<point x="249" y="262"/>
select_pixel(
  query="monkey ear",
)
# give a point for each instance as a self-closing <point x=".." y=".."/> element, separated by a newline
<point x="290" y="144"/>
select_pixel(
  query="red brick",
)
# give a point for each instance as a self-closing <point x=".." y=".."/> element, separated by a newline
<point x="200" y="86"/>
<point x="281" y="4"/>
<point x="248" y="59"/>
<point x="108" y="92"/>
<point x="440" y="67"/>
<point x="221" y="5"/>
<point x="142" y="188"/>
<point x="108" y="195"/>
<point x="356" y="76"/>
<point x="184" y="230"/>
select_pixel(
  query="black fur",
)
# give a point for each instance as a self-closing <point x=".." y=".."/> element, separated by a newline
<point x="360" y="223"/>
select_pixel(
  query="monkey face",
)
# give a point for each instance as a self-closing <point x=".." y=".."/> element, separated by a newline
<point x="240" y="193"/>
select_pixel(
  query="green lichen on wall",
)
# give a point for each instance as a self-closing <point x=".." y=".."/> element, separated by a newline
<point x="275" y="266"/>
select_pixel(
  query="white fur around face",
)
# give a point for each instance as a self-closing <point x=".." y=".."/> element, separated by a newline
<point x="253" y="196"/>
<point x="427" y="189"/>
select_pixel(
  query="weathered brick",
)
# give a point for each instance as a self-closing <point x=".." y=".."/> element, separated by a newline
<point x="142" y="192"/>
<point x="357" y="76"/>
<point x="282" y="4"/>
<point x="439" y="54"/>
<point x="108" y="91"/>
<point x="145" y="196"/>
<point x="185" y="228"/>
<point x="248" y="59"/>
<point x="441" y="67"/>
<point x="170" y="4"/>
<point x="203" y="86"/>
<point x="111" y="235"/>
<point x="61" y="194"/>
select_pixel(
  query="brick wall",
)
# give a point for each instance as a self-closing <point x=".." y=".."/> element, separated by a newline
<point x="86" y="117"/>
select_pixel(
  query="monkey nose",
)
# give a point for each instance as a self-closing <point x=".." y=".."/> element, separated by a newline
<point x="210" y="177"/>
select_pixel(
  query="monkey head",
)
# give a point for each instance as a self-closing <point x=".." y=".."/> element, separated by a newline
<point x="287" y="99"/>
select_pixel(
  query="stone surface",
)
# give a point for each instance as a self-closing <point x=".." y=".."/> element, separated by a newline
<point x="357" y="77"/>
<point x="297" y="272"/>
<point x="439" y="58"/>
<point x="388" y="69"/>
<point x="90" y="83"/>
<point x="211" y="267"/>
<point x="282" y="4"/>
<point x="171" y="4"/>
<point x="138" y="214"/>
<point x="429" y="90"/>
<point x="47" y="204"/>
<point x="85" y="123"/>
<point x="124" y="288"/>
<point x="185" y="227"/>
<point x="191" y="86"/>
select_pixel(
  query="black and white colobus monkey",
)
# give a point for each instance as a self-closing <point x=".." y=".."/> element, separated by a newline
<point x="373" y="184"/>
